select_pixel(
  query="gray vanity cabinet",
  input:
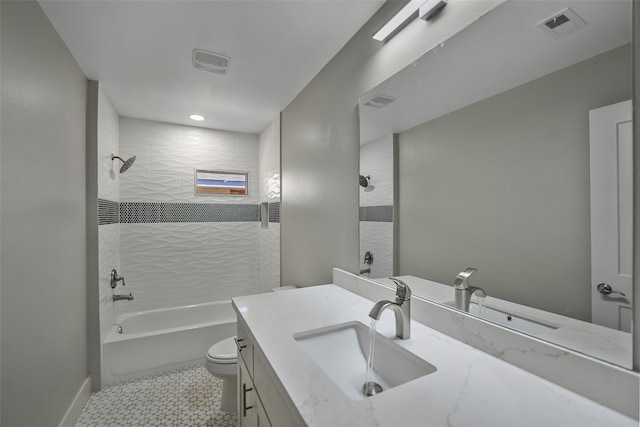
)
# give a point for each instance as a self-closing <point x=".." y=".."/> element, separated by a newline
<point x="251" y="413"/>
<point x="261" y="398"/>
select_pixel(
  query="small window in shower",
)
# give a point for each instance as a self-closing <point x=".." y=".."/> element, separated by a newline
<point x="221" y="183"/>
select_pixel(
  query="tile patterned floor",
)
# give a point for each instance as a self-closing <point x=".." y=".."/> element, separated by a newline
<point x="184" y="397"/>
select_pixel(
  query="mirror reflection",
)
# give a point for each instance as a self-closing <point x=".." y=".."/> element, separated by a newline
<point x="376" y="207"/>
<point x="514" y="158"/>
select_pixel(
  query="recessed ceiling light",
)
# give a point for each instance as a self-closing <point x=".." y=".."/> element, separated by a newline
<point x="197" y="117"/>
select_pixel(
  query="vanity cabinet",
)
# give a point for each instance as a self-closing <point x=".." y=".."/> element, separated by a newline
<point x="260" y="396"/>
<point x="251" y="413"/>
<point x="245" y="347"/>
<point x="250" y="410"/>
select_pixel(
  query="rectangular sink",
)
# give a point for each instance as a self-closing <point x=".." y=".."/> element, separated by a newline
<point x="341" y="350"/>
<point x="509" y="320"/>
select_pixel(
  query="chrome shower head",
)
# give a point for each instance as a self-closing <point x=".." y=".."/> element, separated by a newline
<point x="364" y="181"/>
<point x="126" y="164"/>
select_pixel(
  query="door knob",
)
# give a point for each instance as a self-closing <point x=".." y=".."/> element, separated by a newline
<point x="606" y="289"/>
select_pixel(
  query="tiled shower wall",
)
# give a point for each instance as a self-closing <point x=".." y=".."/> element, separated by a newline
<point x="177" y="248"/>
<point x="376" y="206"/>
<point x="109" y="229"/>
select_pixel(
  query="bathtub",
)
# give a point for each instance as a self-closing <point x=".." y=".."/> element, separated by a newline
<point x="160" y="340"/>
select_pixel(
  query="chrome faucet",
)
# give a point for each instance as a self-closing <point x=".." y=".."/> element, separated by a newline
<point x="123" y="297"/>
<point x="463" y="291"/>
<point x="401" y="307"/>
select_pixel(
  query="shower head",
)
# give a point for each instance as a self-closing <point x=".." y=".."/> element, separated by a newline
<point x="364" y="181"/>
<point x="126" y="164"/>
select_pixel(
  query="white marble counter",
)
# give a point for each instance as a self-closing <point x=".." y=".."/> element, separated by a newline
<point x="588" y="338"/>
<point x="469" y="388"/>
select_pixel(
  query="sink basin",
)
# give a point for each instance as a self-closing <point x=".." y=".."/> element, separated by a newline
<point x="340" y="351"/>
<point x="510" y="320"/>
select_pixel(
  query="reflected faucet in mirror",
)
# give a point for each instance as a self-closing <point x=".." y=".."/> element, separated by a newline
<point x="368" y="260"/>
<point x="401" y="307"/>
<point x="463" y="291"/>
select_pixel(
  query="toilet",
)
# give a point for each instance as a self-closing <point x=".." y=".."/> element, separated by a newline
<point x="222" y="362"/>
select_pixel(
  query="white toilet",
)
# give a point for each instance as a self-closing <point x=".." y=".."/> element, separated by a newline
<point x="222" y="362"/>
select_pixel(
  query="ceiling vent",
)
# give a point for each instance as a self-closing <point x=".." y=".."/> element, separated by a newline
<point x="562" y="23"/>
<point x="210" y="61"/>
<point x="379" y="101"/>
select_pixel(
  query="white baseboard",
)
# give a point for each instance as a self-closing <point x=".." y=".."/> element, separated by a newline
<point x="77" y="405"/>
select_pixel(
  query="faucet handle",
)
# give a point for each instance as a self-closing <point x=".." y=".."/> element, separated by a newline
<point x="403" y="291"/>
<point x="114" y="278"/>
<point x="462" y="279"/>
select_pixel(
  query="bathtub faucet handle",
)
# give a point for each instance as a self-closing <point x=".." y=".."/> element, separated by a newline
<point x="115" y="279"/>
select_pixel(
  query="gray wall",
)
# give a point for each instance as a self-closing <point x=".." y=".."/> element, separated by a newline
<point x="636" y="183"/>
<point x="44" y="342"/>
<point x="94" y="354"/>
<point x="320" y="141"/>
<point x="503" y="186"/>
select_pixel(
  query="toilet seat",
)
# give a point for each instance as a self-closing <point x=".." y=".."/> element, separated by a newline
<point x="223" y="352"/>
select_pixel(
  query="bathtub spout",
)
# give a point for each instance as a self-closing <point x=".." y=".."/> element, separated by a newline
<point x="123" y="297"/>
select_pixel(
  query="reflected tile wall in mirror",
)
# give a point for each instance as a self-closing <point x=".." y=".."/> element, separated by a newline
<point x="376" y="207"/>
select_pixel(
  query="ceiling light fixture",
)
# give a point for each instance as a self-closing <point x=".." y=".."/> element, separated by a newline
<point x="196" y="117"/>
<point x="425" y="9"/>
<point x="431" y="8"/>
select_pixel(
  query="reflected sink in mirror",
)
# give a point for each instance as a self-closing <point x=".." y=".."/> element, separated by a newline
<point x="341" y="350"/>
<point x="510" y="320"/>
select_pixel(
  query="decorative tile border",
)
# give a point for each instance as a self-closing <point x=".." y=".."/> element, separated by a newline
<point x="137" y="213"/>
<point x="376" y="213"/>
<point x="274" y="212"/>
<point x="108" y="212"/>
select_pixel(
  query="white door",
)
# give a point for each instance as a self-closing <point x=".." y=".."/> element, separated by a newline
<point x="611" y="143"/>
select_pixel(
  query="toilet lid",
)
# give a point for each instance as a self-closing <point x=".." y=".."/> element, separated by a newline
<point x="224" y="351"/>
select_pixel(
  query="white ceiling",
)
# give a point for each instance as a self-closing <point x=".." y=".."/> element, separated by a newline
<point x="141" y="53"/>
<point x="503" y="50"/>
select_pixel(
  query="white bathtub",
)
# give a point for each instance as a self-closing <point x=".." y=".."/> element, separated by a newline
<point x="160" y="340"/>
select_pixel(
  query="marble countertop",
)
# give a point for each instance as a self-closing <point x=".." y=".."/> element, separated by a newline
<point x="469" y="388"/>
<point x="597" y="341"/>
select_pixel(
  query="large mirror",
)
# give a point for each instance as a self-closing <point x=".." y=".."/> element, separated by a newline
<point x="514" y="157"/>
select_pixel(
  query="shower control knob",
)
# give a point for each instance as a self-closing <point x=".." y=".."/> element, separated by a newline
<point x="606" y="289"/>
<point x="114" y="278"/>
